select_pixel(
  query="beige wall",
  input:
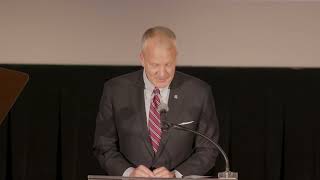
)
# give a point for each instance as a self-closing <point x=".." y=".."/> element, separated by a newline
<point x="210" y="32"/>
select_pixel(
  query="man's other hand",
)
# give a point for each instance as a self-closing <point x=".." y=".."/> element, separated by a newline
<point x="163" y="172"/>
<point x="142" y="171"/>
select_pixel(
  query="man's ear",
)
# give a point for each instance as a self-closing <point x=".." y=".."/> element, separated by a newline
<point x="141" y="57"/>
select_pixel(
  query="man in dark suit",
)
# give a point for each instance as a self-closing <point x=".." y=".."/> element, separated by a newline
<point x="128" y="137"/>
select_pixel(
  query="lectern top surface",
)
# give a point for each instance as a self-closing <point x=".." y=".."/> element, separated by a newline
<point x="98" y="177"/>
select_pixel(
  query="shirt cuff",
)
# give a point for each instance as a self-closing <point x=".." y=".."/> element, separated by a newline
<point x="177" y="174"/>
<point x="127" y="172"/>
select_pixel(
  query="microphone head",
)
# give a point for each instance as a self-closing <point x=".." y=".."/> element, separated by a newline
<point x="163" y="107"/>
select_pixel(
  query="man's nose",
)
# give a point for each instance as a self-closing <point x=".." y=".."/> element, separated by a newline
<point x="162" y="72"/>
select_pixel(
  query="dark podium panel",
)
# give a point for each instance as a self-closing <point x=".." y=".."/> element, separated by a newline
<point x="11" y="84"/>
<point x="99" y="177"/>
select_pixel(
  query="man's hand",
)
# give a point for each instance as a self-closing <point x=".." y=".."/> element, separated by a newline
<point x="163" y="173"/>
<point x="142" y="171"/>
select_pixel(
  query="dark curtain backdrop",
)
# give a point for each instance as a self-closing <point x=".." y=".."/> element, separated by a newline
<point x="269" y="121"/>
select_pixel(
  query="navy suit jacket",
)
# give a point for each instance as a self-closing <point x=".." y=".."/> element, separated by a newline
<point x="122" y="137"/>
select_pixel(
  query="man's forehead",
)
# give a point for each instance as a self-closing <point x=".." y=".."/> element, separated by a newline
<point x="160" y="46"/>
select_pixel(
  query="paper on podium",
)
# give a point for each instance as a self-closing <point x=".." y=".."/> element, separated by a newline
<point x="11" y="85"/>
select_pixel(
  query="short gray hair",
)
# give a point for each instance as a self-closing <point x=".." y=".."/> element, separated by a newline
<point x="157" y="30"/>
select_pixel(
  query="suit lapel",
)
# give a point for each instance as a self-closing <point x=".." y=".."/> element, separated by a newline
<point x="175" y="107"/>
<point x="139" y="103"/>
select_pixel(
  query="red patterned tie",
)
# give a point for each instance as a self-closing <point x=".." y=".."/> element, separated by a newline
<point x="154" y="120"/>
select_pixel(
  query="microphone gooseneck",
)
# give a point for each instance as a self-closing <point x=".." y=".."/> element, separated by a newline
<point x="166" y="125"/>
<point x="177" y="126"/>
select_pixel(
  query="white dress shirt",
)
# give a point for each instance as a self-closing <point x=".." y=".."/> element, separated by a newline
<point x="148" y="96"/>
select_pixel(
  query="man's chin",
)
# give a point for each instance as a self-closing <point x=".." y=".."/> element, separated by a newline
<point x="162" y="84"/>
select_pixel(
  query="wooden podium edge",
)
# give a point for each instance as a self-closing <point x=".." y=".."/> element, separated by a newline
<point x="19" y="81"/>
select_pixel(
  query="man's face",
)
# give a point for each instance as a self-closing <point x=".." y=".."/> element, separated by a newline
<point x="159" y="62"/>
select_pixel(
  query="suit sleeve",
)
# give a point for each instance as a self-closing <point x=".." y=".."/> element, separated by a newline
<point x="205" y="154"/>
<point x="106" y="145"/>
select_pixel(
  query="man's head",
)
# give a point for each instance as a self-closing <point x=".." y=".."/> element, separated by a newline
<point x="159" y="55"/>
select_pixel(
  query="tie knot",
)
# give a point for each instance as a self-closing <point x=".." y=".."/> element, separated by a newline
<point x="156" y="91"/>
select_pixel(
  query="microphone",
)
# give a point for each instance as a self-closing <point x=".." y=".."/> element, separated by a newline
<point x="166" y="125"/>
<point x="163" y="109"/>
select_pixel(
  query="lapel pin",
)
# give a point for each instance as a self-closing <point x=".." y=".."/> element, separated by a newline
<point x="175" y="96"/>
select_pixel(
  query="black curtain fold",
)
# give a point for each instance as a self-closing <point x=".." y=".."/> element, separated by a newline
<point x="269" y="121"/>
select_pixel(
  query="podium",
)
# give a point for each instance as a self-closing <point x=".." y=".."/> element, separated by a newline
<point x="11" y="84"/>
<point x="100" y="177"/>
